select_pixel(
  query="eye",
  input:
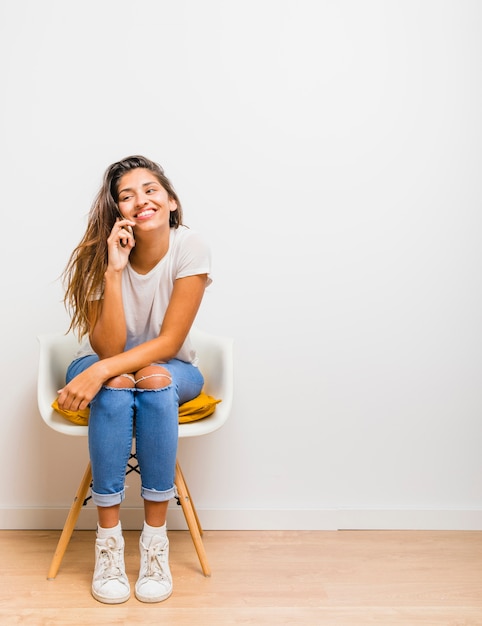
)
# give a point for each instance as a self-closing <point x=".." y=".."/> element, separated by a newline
<point x="124" y="198"/>
<point x="151" y="190"/>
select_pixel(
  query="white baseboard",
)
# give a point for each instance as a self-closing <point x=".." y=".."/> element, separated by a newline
<point x="132" y="518"/>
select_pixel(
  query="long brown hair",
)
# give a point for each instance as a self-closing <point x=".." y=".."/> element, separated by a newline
<point x="83" y="276"/>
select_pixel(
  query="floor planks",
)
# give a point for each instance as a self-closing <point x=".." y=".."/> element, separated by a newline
<point x="344" y="578"/>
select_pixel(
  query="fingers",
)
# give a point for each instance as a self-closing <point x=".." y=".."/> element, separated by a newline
<point x="67" y="401"/>
<point x="120" y="243"/>
<point x="70" y="401"/>
<point x="122" y="234"/>
<point x="124" y="239"/>
<point x="78" y="393"/>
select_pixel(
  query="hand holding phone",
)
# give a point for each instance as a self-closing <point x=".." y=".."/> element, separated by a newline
<point x="123" y="242"/>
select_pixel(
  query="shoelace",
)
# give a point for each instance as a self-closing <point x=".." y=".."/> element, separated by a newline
<point x="110" y="555"/>
<point x="156" y="558"/>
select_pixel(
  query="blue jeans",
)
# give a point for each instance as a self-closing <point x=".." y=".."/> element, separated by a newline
<point x="153" y="415"/>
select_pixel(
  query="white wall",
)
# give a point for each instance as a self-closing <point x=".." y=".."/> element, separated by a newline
<point x="331" y="152"/>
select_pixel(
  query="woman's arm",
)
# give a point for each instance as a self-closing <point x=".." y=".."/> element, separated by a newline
<point x="108" y="332"/>
<point x="183" y="306"/>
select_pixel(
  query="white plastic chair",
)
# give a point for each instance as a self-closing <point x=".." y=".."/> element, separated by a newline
<point x="216" y="363"/>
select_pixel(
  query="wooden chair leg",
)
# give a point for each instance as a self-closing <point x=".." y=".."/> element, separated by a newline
<point x="191" y="519"/>
<point x="181" y="477"/>
<point x="70" y="523"/>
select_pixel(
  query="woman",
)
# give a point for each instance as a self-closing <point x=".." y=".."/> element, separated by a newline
<point x="134" y="285"/>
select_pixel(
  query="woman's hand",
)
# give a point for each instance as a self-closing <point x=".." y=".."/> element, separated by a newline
<point x="119" y="244"/>
<point x="79" y="392"/>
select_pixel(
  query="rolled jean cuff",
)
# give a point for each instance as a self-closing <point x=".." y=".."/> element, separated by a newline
<point x="107" y="499"/>
<point x="157" y="496"/>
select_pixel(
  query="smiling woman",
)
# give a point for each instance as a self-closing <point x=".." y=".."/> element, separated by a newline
<point x="134" y="285"/>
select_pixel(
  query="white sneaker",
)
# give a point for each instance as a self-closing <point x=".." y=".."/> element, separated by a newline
<point x="155" y="581"/>
<point x="110" y="584"/>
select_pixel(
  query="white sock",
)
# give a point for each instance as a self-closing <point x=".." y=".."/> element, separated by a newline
<point x="149" y="531"/>
<point x="103" y="533"/>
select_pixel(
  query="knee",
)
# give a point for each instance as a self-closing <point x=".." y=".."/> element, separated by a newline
<point x="153" y="377"/>
<point x="124" y="381"/>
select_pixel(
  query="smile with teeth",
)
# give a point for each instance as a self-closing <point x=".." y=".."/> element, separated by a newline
<point x="145" y="213"/>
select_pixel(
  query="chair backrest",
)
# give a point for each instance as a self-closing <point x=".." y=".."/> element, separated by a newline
<point x="215" y="362"/>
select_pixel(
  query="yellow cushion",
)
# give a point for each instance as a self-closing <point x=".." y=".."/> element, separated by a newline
<point x="197" y="408"/>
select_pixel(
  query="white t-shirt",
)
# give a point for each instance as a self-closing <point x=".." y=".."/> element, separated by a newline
<point x="146" y="296"/>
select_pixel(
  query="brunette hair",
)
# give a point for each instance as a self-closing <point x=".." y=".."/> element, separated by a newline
<point x="83" y="276"/>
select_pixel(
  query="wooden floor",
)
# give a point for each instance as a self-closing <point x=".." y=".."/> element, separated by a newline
<point x="344" y="578"/>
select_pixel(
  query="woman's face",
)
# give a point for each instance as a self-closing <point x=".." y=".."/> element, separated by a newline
<point x="144" y="200"/>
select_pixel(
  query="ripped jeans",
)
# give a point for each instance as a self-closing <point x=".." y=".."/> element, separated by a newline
<point x="153" y="415"/>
